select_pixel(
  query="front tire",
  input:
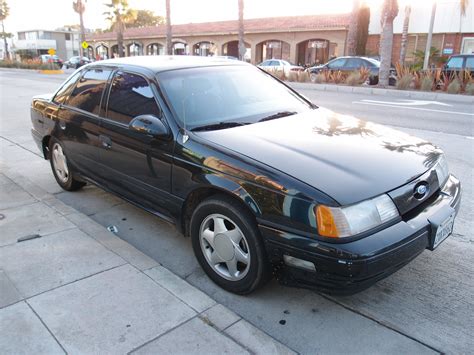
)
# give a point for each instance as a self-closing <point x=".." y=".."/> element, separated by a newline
<point x="228" y="246"/>
<point x="62" y="171"/>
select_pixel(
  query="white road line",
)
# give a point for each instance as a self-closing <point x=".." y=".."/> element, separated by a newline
<point x="413" y="108"/>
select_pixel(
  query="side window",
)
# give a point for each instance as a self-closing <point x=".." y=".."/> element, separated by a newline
<point x="66" y="89"/>
<point x="354" y="63"/>
<point x="337" y="63"/>
<point x="455" y="63"/>
<point x="470" y="63"/>
<point x="130" y="96"/>
<point x="88" y="91"/>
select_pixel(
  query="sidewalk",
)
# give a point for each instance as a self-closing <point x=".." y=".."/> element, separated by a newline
<point x="67" y="285"/>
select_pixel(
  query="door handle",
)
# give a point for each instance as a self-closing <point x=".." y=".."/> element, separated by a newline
<point x="105" y="141"/>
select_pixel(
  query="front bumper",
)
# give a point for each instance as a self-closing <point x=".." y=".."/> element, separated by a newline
<point x="347" y="268"/>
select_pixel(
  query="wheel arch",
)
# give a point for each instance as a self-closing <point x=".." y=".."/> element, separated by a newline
<point x="217" y="186"/>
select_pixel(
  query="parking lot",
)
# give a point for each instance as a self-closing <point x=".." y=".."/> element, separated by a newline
<point x="425" y="307"/>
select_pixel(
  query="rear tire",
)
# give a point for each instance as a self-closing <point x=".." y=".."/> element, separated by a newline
<point x="228" y="246"/>
<point x="62" y="171"/>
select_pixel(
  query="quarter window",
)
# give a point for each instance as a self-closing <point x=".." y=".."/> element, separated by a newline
<point x="130" y="96"/>
<point x="66" y="89"/>
<point x="88" y="91"/>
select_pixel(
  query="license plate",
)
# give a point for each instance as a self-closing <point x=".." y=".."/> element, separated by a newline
<point x="444" y="230"/>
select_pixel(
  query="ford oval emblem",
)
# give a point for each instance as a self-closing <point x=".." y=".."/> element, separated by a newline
<point x="421" y="190"/>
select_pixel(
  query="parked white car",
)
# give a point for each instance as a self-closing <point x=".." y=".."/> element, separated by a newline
<point x="279" y="65"/>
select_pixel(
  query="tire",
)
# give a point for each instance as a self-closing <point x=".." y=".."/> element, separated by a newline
<point x="62" y="172"/>
<point x="237" y="242"/>
<point x="313" y="77"/>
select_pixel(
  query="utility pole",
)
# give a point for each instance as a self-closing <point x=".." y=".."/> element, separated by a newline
<point x="242" y="48"/>
<point x="430" y="37"/>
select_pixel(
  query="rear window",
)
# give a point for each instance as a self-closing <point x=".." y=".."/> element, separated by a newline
<point x="88" y="91"/>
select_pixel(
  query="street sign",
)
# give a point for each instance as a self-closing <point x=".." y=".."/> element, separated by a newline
<point x="51" y="51"/>
<point x="85" y="45"/>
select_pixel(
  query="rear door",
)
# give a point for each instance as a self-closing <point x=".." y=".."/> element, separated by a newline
<point x="79" y="117"/>
<point x="137" y="164"/>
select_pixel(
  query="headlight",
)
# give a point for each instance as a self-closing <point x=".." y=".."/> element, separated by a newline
<point x="340" y="222"/>
<point x="442" y="170"/>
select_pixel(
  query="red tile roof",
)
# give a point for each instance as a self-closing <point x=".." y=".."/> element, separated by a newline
<point x="275" y="24"/>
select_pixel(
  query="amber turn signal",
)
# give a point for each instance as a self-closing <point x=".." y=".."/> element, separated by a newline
<point x="326" y="225"/>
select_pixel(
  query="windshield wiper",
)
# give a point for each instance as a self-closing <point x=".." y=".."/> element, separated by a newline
<point x="278" y="115"/>
<point x="219" y="125"/>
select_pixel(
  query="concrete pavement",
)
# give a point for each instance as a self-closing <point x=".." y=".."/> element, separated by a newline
<point x="425" y="307"/>
<point x="67" y="285"/>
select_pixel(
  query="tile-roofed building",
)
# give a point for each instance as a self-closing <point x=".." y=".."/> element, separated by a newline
<point x="301" y="39"/>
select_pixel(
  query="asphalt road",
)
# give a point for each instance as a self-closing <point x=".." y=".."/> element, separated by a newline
<point x="426" y="307"/>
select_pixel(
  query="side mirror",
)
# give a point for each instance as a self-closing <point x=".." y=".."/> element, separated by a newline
<point x="148" y="124"/>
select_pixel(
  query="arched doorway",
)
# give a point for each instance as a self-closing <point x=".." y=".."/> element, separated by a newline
<point x="114" y="51"/>
<point x="204" y="49"/>
<point x="231" y="49"/>
<point x="134" y="49"/>
<point x="102" y="51"/>
<point x="180" y="48"/>
<point x="272" y="49"/>
<point x="313" y="52"/>
<point x="155" y="49"/>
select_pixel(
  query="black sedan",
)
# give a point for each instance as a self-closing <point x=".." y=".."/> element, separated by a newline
<point x="349" y="64"/>
<point x="76" y="62"/>
<point x="262" y="180"/>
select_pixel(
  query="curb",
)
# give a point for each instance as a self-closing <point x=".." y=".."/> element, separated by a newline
<point x="52" y="71"/>
<point x="418" y="95"/>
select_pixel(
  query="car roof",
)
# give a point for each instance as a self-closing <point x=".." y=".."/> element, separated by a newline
<point x="163" y="62"/>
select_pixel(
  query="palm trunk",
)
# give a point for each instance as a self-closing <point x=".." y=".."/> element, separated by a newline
<point x="120" y="36"/>
<point x="7" y="55"/>
<point x="169" y="36"/>
<point x="352" y="34"/>
<point x="404" y="42"/>
<point x="386" y="44"/>
<point x="242" y="48"/>
<point x="83" y="34"/>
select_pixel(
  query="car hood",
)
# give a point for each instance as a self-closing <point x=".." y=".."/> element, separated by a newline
<point x="347" y="158"/>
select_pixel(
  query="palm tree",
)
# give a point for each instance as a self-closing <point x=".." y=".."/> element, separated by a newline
<point x="389" y="12"/>
<point x="119" y="14"/>
<point x="352" y="34"/>
<point x="169" y="35"/>
<point x="242" y="48"/>
<point x="404" y="42"/>
<point x="80" y="7"/>
<point x="4" y="12"/>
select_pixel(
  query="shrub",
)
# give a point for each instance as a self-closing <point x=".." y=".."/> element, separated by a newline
<point x="303" y="77"/>
<point x="454" y="87"/>
<point x="337" y="77"/>
<point x="292" y="76"/>
<point x="354" y="79"/>
<point x="27" y="64"/>
<point x="404" y="82"/>
<point x="426" y="83"/>
<point x="470" y="88"/>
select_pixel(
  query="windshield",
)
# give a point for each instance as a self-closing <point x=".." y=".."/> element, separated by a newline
<point x="223" y="94"/>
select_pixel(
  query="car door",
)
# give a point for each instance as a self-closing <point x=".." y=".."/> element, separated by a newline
<point x="78" y="120"/>
<point x="137" y="164"/>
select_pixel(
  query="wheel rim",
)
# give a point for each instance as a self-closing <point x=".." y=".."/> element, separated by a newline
<point x="60" y="163"/>
<point x="225" y="247"/>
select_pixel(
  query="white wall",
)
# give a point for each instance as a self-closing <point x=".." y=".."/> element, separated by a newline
<point x="447" y="20"/>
